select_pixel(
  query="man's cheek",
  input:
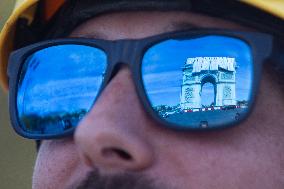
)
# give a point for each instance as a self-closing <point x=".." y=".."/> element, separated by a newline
<point x="57" y="165"/>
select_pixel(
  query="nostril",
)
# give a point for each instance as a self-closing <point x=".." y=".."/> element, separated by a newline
<point x="116" y="152"/>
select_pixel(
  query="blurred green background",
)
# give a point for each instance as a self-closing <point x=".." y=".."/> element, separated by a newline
<point x="17" y="155"/>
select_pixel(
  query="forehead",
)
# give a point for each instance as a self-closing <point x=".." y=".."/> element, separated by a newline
<point x="141" y="24"/>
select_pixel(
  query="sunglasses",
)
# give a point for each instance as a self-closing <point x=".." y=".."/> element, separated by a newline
<point x="195" y="80"/>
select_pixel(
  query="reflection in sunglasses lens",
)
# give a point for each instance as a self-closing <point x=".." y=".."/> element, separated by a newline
<point x="203" y="83"/>
<point x="58" y="86"/>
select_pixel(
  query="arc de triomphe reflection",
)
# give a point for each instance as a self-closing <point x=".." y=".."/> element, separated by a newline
<point x="220" y="71"/>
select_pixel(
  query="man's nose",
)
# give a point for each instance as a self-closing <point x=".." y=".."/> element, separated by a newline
<point x="111" y="135"/>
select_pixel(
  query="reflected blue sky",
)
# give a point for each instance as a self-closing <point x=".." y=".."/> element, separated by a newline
<point x="207" y="95"/>
<point x="162" y="65"/>
<point x="61" y="78"/>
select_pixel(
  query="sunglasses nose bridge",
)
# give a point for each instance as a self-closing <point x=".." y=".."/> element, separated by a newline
<point x="124" y="52"/>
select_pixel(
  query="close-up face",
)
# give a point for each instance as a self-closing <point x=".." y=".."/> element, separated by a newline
<point x="118" y="143"/>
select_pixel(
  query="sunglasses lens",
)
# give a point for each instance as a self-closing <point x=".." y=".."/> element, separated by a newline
<point x="199" y="83"/>
<point x="57" y="86"/>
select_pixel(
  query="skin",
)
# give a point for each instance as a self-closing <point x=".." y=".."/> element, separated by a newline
<point x="247" y="156"/>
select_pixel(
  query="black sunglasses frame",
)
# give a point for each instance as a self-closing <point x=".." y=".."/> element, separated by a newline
<point x="130" y="52"/>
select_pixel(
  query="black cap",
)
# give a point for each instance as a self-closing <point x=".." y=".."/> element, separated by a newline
<point x="75" y="12"/>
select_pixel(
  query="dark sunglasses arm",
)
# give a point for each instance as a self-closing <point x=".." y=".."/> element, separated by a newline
<point x="277" y="56"/>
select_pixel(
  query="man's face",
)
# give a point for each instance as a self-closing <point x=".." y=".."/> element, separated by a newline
<point x="117" y="137"/>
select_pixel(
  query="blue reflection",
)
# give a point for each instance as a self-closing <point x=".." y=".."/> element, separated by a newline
<point x="207" y="95"/>
<point x="175" y="71"/>
<point x="58" y="83"/>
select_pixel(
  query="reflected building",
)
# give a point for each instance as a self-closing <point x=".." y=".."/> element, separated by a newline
<point x="219" y="71"/>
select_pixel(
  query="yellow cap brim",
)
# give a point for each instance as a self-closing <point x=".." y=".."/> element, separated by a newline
<point x="24" y="10"/>
<point x="274" y="7"/>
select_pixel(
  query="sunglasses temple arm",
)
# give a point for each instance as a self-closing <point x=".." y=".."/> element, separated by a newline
<point x="37" y="143"/>
<point x="277" y="56"/>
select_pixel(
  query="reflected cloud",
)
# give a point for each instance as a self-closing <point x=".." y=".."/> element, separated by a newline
<point x="170" y="76"/>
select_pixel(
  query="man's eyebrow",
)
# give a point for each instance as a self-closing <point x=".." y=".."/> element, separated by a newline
<point x="182" y="25"/>
<point x="91" y="35"/>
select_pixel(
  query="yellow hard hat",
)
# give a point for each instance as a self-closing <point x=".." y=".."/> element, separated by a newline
<point x="27" y="8"/>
